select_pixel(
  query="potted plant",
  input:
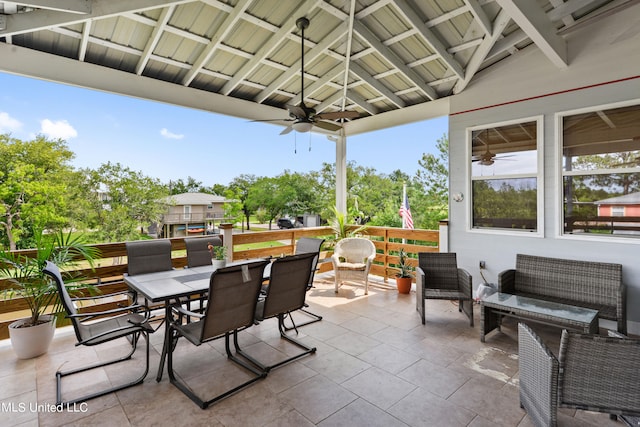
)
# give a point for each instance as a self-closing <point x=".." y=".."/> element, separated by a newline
<point x="218" y="255"/>
<point x="404" y="275"/>
<point x="30" y="337"/>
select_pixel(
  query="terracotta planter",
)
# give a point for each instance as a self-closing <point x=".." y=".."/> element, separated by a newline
<point x="31" y="341"/>
<point x="404" y="284"/>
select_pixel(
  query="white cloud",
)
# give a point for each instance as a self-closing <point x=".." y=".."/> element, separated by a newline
<point x="60" y="129"/>
<point x="8" y="124"/>
<point x="169" y="135"/>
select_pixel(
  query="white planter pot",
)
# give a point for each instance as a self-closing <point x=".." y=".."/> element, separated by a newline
<point x="31" y="341"/>
<point x="219" y="263"/>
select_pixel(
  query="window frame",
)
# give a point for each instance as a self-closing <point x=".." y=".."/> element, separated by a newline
<point x="538" y="175"/>
<point x="560" y="174"/>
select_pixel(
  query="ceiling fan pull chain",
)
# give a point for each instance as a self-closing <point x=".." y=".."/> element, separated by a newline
<point x="309" y="141"/>
<point x="295" y="143"/>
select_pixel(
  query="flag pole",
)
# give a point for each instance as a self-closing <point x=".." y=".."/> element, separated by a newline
<point x="404" y="221"/>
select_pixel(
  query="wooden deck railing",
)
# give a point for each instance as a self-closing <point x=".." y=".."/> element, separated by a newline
<point x="112" y="264"/>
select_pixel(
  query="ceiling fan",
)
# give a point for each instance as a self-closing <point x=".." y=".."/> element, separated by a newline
<point x="303" y="117"/>
<point x="487" y="158"/>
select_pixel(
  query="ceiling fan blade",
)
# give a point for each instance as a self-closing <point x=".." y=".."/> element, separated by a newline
<point x="286" y="130"/>
<point x="298" y="112"/>
<point x="338" y="115"/>
<point x="328" y="126"/>
<point x="273" y="120"/>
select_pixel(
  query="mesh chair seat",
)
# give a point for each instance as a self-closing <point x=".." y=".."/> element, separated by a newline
<point x="231" y="303"/>
<point x="285" y="293"/>
<point x="93" y="329"/>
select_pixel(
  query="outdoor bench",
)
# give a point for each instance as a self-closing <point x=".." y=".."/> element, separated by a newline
<point x="588" y="284"/>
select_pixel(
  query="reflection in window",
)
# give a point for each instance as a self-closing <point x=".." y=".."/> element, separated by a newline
<point x="504" y="169"/>
<point x="601" y="172"/>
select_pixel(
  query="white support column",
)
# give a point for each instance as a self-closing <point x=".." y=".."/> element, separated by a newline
<point x="227" y="239"/>
<point x="444" y="236"/>
<point x="341" y="172"/>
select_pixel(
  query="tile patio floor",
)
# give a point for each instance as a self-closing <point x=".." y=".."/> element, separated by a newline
<point x="375" y="365"/>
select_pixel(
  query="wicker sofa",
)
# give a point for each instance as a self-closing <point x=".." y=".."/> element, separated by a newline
<point x="594" y="285"/>
<point x="594" y="373"/>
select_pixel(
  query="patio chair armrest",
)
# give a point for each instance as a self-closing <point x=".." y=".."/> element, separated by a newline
<point x="507" y="281"/>
<point x="465" y="283"/>
<point x="138" y="308"/>
<point x="90" y="297"/>
<point x="183" y="311"/>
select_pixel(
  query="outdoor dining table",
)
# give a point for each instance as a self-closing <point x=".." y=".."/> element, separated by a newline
<point x="168" y="287"/>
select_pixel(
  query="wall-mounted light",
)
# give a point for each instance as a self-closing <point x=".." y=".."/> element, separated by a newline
<point x="457" y="197"/>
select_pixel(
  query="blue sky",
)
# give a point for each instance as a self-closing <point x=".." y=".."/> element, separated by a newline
<point x="169" y="142"/>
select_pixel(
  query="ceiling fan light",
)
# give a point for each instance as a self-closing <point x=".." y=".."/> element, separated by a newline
<point x="302" y="126"/>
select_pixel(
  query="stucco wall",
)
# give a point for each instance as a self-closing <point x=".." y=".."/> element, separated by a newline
<point x="604" y="68"/>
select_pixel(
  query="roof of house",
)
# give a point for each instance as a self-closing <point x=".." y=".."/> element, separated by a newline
<point x="627" y="199"/>
<point x="195" y="199"/>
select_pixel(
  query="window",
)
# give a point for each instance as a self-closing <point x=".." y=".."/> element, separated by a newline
<point x="601" y="171"/>
<point x="187" y="213"/>
<point x="505" y="178"/>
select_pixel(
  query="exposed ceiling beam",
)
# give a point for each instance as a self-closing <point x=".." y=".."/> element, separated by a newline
<point x="368" y="78"/>
<point x="316" y="51"/>
<point x="533" y="21"/>
<point x="429" y="36"/>
<point x="319" y="84"/>
<point x="69" y="6"/>
<point x="268" y="47"/>
<point x="28" y="62"/>
<point x="362" y="103"/>
<point x="393" y="59"/>
<point x="480" y="17"/>
<point x="221" y="33"/>
<point x="84" y="41"/>
<point x="154" y="38"/>
<point x="45" y="19"/>
<point x="483" y="50"/>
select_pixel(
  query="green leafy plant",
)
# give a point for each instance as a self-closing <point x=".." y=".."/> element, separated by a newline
<point x="341" y="227"/>
<point x="217" y="252"/>
<point x="406" y="270"/>
<point x="24" y="277"/>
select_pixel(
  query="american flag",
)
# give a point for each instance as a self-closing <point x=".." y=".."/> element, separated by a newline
<point x="405" y="213"/>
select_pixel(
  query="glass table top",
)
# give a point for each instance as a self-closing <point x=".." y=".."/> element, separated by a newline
<point x="549" y="308"/>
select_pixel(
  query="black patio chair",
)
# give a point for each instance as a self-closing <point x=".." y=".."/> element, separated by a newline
<point x="198" y="250"/>
<point x="438" y="277"/>
<point x="93" y="329"/>
<point x="232" y="298"/>
<point x="149" y="256"/>
<point x="303" y="246"/>
<point x="284" y="294"/>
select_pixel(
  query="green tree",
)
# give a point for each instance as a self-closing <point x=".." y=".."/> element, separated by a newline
<point x="241" y="187"/>
<point x="33" y="180"/>
<point x="119" y="201"/>
<point x="429" y="199"/>
<point x="191" y="186"/>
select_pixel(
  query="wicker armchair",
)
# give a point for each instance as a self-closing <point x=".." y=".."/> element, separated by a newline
<point x="438" y="277"/>
<point x="352" y="258"/>
<point x="592" y="372"/>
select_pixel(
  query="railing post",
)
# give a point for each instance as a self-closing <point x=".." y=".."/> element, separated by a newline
<point x="443" y="238"/>
<point x="227" y="239"/>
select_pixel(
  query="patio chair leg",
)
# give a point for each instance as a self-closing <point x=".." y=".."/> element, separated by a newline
<point x="139" y="380"/>
<point x="314" y="318"/>
<point x="204" y="404"/>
